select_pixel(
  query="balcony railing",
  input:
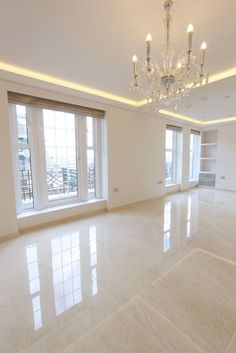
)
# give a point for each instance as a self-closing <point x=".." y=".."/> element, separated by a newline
<point x="61" y="182"/>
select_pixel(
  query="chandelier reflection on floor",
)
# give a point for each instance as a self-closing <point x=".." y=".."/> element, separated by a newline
<point x="170" y="84"/>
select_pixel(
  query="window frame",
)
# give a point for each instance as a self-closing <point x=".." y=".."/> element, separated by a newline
<point x="175" y="155"/>
<point x="38" y="159"/>
<point x="194" y="171"/>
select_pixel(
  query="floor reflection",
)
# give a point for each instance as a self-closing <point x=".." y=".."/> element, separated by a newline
<point x="66" y="269"/>
<point x="93" y="258"/>
<point x="34" y="284"/>
<point x="167" y="227"/>
<point x="189" y="215"/>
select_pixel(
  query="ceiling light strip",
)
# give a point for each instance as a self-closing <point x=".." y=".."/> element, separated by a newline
<point x="179" y="116"/>
<point x="84" y="89"/>
<point x="220" y="121"/>
<point x="63" y="83"/>
<point x="196" y="121"/>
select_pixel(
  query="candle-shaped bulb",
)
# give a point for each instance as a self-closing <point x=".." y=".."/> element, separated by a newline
<point x="134" y="60"/>
<point x="190" y="37"/>
<point x="179" y="65"/>
<point x="190" y="28"/>
<point x="148" y="41"/>
<point x="148" y="38"/>
<point x="203" y="46"/>
<point x="203" y="52"/>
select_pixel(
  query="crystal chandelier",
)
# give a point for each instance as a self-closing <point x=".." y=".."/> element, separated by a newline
<point x="171" y="83"/>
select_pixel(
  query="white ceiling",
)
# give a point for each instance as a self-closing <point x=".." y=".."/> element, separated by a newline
<point x="214" y="101"/>
<point x="91" y="42"/>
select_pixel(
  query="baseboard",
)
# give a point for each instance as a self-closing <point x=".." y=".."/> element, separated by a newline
<point x="65" y="220"/>
<point x="134" y="204"/>
<point x="7" y="237"/>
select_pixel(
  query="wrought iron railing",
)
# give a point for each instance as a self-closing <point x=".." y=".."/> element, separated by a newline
<point x="26" y="185"/>
<point x="61" y="181"/>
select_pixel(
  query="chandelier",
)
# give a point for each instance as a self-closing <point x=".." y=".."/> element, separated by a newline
<point x="169" y="84"/>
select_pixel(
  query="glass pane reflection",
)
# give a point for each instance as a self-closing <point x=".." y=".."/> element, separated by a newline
<point x="167" y="227"/>
<point x="188" y="230"/>
<point x="34" y="284"/>
<point x="93" y="258"/>
<point x="66" y="272"/>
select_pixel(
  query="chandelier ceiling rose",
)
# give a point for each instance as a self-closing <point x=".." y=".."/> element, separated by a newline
<point x="169" y="84"/>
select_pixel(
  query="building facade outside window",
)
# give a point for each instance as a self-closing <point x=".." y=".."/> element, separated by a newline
<point x="57" y="157"/>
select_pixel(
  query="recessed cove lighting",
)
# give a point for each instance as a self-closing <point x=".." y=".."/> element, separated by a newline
<point x="109" y="96"/>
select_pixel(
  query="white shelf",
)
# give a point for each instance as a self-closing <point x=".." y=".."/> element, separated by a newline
<point x="205" y="172"/>
<point x="208" y="158"/>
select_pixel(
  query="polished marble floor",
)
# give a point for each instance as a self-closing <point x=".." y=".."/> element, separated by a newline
<point x="158" y="277"/>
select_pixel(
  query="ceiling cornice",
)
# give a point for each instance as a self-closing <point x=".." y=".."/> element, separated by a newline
<point x="95" y="92"/>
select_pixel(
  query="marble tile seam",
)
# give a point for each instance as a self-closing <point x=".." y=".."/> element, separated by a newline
<point x="185" y="257"/>
<point x="182" y="333"/>
<point x="218" y="257"/>
<point x="119" y="308"/>
<point x="231" y="342"/>
<point x="202" y="250"/>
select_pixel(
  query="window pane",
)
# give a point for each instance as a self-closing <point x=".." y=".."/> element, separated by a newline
<point x="191" y="172"/>
<point x="191" y="141"/>
<point x="169" y="167"/>
<point x="194" y="156"/>
<point x="26" y="184"/>
<point x="89" y="122"/>
<point x="169" y="139"/>
<point x="22" y="124"/>
<point x="60" y="148"/>
<point x="91" y="173"/>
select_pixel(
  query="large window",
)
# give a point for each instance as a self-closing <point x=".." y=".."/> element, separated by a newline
<point x="172" y="155"/>
<point x="57" y="157"/>
<point x="194" y="155"/>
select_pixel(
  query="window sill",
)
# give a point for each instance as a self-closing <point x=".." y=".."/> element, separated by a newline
<point x="172" y="185"/>
<point x="37" y="217"/>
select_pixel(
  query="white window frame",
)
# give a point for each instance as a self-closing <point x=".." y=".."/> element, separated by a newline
<point x="16" y="146"/>
<point x="38" y="159"/>
<point x="193" y="174"/>
<point x="175" y="150"/>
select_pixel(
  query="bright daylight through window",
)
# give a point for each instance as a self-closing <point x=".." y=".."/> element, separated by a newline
<point x="172" y="155"/>
<point x="57" y="156"/>
<point x="194" y="155"/>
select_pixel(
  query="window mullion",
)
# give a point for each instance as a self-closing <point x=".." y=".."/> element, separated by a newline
<point x="98" y="157"/>
<point x="32" y="134"/>
<point x="83" y="159"/>
<point x="39" y="153"/>
<point x="78" y="155"/>
<point x="16" y="168"/>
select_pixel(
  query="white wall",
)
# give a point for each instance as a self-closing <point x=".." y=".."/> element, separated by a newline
<point x="136" y="143"/>
<point x="8" y="221"/>
<point x="226" y="157"/>
<point x="136" y="157"/>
